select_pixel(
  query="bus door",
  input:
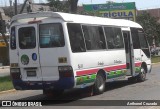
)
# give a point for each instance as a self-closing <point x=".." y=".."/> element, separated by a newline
<point x="27" y="38"/>
<point x="129" y="53"/>
<point x="51" y="50"/>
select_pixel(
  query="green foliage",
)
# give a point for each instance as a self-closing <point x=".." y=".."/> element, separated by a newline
<point x="150" y="26"/>
<point x="155" y="59"/>
<point x="2" y="23"/>
<point x="63" y="5"/>
<point x="57" y="5"/>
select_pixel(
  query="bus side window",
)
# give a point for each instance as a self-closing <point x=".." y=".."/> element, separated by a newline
<point x="118" y="40"/>
<point x="143" y="42"/>
<point x="135" y="38"/>
<point x="114" y="37"/>
<point x="76" y="37"/>
<point x="102" y="41"/>
<point x="142" y="39"/>
<point x="94" y="37"/>
<point x="13" y="38"/>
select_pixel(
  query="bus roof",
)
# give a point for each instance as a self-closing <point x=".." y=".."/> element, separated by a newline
<point x="75" y="18"/>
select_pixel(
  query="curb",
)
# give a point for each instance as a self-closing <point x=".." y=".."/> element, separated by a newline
<point x="8" y="91"/>
<point x="3" y="67"/>
<point x="155" y="63"/>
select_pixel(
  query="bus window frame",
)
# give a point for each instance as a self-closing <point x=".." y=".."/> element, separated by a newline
<point x="131" y="29"/>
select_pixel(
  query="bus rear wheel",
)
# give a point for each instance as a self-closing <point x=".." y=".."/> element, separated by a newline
<point x="99" y="86"/>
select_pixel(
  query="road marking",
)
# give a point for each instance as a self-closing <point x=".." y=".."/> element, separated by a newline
<point x="155" y="63"/>
<point x="3" y="67"/>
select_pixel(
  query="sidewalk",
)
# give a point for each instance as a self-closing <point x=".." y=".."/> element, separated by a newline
<point x="4" y="71"/>
<point x="4" y="67"/>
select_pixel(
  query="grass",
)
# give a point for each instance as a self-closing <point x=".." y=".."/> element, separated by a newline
<point x="155" y="59"/>
<point x="6" y="83"/>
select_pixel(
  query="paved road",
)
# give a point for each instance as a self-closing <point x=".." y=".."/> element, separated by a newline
<point x="121" y="90"/>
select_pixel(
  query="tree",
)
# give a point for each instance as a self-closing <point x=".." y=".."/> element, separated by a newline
<point x="63" y="6"/>
<point x="73" y="5"/>
<point x="2" y="23"/>
<point x="151" y="27"/>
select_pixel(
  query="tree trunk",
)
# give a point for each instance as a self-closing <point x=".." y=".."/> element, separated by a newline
<point x="73" y="4"/>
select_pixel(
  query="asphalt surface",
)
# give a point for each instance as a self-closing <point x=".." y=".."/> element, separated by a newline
<point x="120" y="90"/>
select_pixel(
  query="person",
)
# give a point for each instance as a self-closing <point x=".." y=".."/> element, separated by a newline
<point x="154" y="50"/>
<point x="75" y="40"/>
<point x="79" y="42"/>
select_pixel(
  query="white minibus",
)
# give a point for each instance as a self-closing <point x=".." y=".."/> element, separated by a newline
<point x="54" y="51"/>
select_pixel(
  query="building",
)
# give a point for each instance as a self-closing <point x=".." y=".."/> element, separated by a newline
<point x="153" y="12"/>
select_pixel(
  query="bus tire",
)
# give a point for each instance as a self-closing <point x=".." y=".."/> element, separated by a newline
<point x="142" y="75"/>
<point x="99" y="85"/>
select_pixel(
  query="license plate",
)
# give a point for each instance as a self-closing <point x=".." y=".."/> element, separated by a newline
<point x="31" y="73"/>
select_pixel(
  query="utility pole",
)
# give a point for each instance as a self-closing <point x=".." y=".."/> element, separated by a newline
<point x="15" y="6"/>
<point x="24" y="4"/>
<point x="10" y="2"/>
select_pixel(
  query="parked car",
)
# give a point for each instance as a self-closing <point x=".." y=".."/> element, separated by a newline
<point x="155" y="50"/>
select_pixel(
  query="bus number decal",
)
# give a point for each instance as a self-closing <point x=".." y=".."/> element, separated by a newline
<point x="138" y="59"/>
<point x="80" y="66"/>
<point x="117" y="61"/>
<point x="100" y="63"/>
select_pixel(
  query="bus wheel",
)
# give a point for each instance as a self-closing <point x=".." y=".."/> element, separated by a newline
<point x="142" y="75"/>
<point x="99" y="85"/>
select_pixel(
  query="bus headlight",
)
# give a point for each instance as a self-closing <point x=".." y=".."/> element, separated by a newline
<point x="65" y="71"/>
